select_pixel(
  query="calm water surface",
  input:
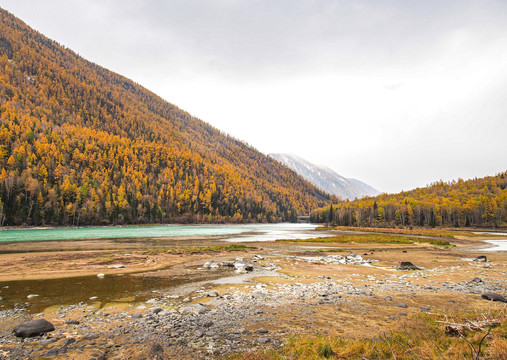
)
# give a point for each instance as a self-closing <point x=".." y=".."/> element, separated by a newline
<point x="496" y="244"/>
<point x="254" y="232"/>
<point x="139" y="288"/>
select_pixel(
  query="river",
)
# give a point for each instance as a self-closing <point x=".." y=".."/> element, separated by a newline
<point x="496" y="244"/>
<point x="235" y="233"/>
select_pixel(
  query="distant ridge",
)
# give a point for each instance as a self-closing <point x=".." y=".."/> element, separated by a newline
<point x="325" y="178"/>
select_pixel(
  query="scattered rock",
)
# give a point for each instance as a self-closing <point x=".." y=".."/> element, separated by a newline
<point x="136" y="316"/>
<point x="68" y="341"/>
<point x="193" y="309"/>
<point x="54" y="352"/>
<point x="47" y="341"/>
<point x="33" y="328"/>
<point x="157" y="349"/>
<point x="388" y="298"/>
<point x="263" y="340"/>
<point x="210" y="265"/>
<point x="402" y="305"/>
<point x="407" y="265"/>
<point x="31" y="296"/>
<point x="261" y="331"/>
<point x="476" y="280"/>
<point x="72" y="322"/>
<point x="425" y="308"/>
<point x="157" y="310"/>
<point x="213" y="293"/>
<point x="242" y="267"/>
<point x="480" y="258"/>
<point x="119" y="266"/>
<point x="227" y="263"/>
<point x="90" y="336"/>
<point x="93" y="298"/>
<point x="494" y="297"/>
<point x="101" y="275"/>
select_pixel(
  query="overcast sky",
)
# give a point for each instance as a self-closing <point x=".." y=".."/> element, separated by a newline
<point x="397" y="94"/>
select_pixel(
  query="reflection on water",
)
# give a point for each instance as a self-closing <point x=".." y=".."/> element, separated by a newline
<point x="80" y="289"/>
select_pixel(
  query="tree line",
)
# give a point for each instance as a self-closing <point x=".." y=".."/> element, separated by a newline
<point x="462" y="203"/>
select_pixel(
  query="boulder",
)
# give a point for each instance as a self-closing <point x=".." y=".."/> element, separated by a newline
<point x="494" y="297"/>
<point x="210" y="265"/>
<point x="481" y="258"/>
<point x="33" y="328"/>
<point x="227" y="263"/>
<point x="243" y="267"/>
<point x="407" y="265"/>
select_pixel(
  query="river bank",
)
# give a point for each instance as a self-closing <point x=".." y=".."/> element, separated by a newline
<point x="294" y="288"/>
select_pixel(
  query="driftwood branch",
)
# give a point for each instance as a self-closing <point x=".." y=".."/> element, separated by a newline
<point x="456" y="329"/>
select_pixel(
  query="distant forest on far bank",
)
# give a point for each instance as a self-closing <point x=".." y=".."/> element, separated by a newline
<point x="462" y="203"/>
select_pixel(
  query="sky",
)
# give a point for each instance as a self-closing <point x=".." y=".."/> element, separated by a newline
<point x="398" y="94"/>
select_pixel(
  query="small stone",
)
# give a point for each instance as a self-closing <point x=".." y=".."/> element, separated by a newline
<point x="407" y="265"/>
<point x="157" y="310"/>
<point x="263" y="340"/>
<point x="494" y="297"/>
<point x="136" y="316"/>
<point x="47" y="341"/>
<point x="388" y="298"/>
<point x="68" y="341"/>
<point x="480" y="258"/>
<point x="52" y="353"/>
<point x="90" y="336"/>
<point x="101" y="275"/>
<point x="261" y="331"/>
<point x="157" y="349"/>
<point x="213" y="293"/>
<point x="93" y="298"/>
<point x="72" y="322"/>
<point x="402" y="305"/>
<point x="31" y="296"/>
<point x="425" y="308"/>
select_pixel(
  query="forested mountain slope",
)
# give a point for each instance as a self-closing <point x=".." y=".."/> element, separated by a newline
<point x="80" y="144"/>
<point x="476" y="202"/>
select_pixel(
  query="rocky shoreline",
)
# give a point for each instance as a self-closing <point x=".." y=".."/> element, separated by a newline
<point x="217" y="320"/>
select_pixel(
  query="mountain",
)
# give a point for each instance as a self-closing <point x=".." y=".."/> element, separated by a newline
<point x="325" y="178"/>
<point x="80" y="144"/>
<point x="462" y="203"/>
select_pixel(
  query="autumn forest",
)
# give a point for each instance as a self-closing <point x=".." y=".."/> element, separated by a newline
<point x="82" y="145"/>
<point x="471" y="203"/>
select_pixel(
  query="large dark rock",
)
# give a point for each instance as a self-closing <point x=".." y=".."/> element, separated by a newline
<point x="481" y="258"/>
<point x="33" y="328"/>
<point x="494" y="297"/>
<point x="407" y="265"/>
